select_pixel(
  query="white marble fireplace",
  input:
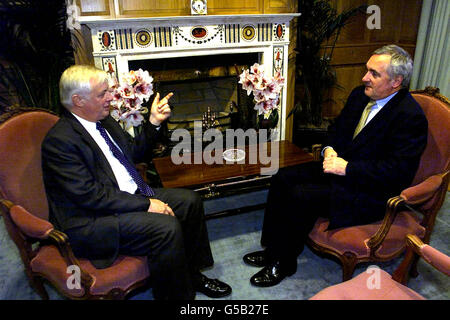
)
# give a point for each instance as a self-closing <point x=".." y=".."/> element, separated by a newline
<point x="116" y="42"/>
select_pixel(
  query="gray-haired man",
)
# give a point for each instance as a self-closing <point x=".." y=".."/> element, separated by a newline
<point x="373" y="152"/>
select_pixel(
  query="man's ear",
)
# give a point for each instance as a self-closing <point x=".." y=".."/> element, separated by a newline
<point x="77" y="100"/>
<point x="397" y="82"/>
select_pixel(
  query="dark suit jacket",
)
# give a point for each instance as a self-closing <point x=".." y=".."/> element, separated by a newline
<point x="83" y="194"/>
<point x="382" y="159"/>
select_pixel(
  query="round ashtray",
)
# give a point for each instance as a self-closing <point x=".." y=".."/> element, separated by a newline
<point x="234" y="155"/>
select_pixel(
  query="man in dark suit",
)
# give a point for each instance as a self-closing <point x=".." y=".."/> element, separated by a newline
<point x="97" y="199"/>
<point x="373" y="152"/>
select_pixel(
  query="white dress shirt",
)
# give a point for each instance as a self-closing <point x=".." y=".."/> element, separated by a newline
<point x="125" y="181"/>
<point x="378" y="106"/>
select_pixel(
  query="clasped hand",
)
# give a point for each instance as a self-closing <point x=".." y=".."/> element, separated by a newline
<point x="333" y="164"/>
<point x="157" y="206"/>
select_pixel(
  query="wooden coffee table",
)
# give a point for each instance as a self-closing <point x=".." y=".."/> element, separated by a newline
<point x="213" y="180"/>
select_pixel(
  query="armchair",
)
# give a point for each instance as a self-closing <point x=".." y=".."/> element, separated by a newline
<point x="412" y="212"/>
<point x="45" y="251"/>
<point x="388" y="287"/>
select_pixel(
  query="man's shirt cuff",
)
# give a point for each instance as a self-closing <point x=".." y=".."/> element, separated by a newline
<point x="323" y="150"/>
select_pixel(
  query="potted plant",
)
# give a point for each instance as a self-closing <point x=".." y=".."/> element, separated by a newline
<point x="318" y="30"/>
<point x="265" y="92"/>
<point x="36" y="49"/>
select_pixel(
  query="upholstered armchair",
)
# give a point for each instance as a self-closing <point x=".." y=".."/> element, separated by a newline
<point x="44" y="250"/>
<point x="412" y="212"/>
<point x="366" y="287"/>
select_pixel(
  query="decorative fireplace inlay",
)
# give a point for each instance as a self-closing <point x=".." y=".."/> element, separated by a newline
<point x="117" y="42"/>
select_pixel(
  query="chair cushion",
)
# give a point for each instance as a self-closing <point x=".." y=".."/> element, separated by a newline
<point x="358" y="289"/>
<point x="354" y="239"/>
<point x="122" y="274"/>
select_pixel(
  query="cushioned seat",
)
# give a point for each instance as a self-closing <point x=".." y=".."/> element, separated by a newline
<point x="349" y="239"/>
<point x="49" y="263"/>
<point x="357" y="289"/>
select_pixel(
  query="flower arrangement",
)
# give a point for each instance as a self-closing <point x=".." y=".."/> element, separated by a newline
<point x="133" y="89"/>
<point x="266" y="91"/>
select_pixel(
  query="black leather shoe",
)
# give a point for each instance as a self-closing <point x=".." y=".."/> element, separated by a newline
<point x="212" y="288"/>
<point x="270" y="275"/>
<point x="256" y="259"/>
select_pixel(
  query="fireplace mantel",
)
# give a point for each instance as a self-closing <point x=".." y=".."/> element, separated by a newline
<point x="93" y="22"/>
<point x="115" y="42"/>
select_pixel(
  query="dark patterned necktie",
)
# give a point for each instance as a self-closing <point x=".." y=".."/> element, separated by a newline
<point x="143" y="187"/>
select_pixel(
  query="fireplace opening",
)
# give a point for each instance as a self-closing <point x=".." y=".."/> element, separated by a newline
<point x="205" y="88"/>
<point x="212" y="101"/>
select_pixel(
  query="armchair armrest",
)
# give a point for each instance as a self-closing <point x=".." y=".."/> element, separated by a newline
<point x="30" y="225"/>
<point x="411" y="196"/>
<point x="422" y="191"/>
<point x="434" y="257"/>
<point x="61" y="240"/>
<point x="40" y="229"/>
<point x="316" y="149"/>
<point x="391" y="211"/>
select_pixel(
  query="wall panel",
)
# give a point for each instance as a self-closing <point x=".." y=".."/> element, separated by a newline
<point x="95" y="7"/>
<point x="279" y="6"/>
<point x="152" y="8"/>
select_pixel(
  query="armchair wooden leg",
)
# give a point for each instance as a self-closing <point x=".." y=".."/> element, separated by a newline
<point x="348" y="265"/>
<point x="37" y="284"/>
<point x="403" y="271"/>
<point x="413" y="273"/>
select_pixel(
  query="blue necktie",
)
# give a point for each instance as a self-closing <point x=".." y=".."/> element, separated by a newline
<point x="142" y="186"/>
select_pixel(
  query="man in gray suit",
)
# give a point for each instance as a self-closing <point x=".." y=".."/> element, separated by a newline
<point x="373" y="152"/>
<point x="97" y="199"/>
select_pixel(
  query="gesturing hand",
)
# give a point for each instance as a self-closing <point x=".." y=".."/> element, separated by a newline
<point x="160" y="110"/>
<point x="157" y="206"/>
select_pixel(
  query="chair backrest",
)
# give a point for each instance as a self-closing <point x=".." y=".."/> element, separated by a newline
<point x="21" y="136"/>
<point x="436" y="157"/>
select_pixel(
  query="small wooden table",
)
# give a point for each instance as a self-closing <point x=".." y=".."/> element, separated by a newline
<point x="213" y="180"/>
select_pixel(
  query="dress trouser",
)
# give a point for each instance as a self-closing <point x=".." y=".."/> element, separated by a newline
<point x="176" y="247"/>
<point x="297" y="196"/>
